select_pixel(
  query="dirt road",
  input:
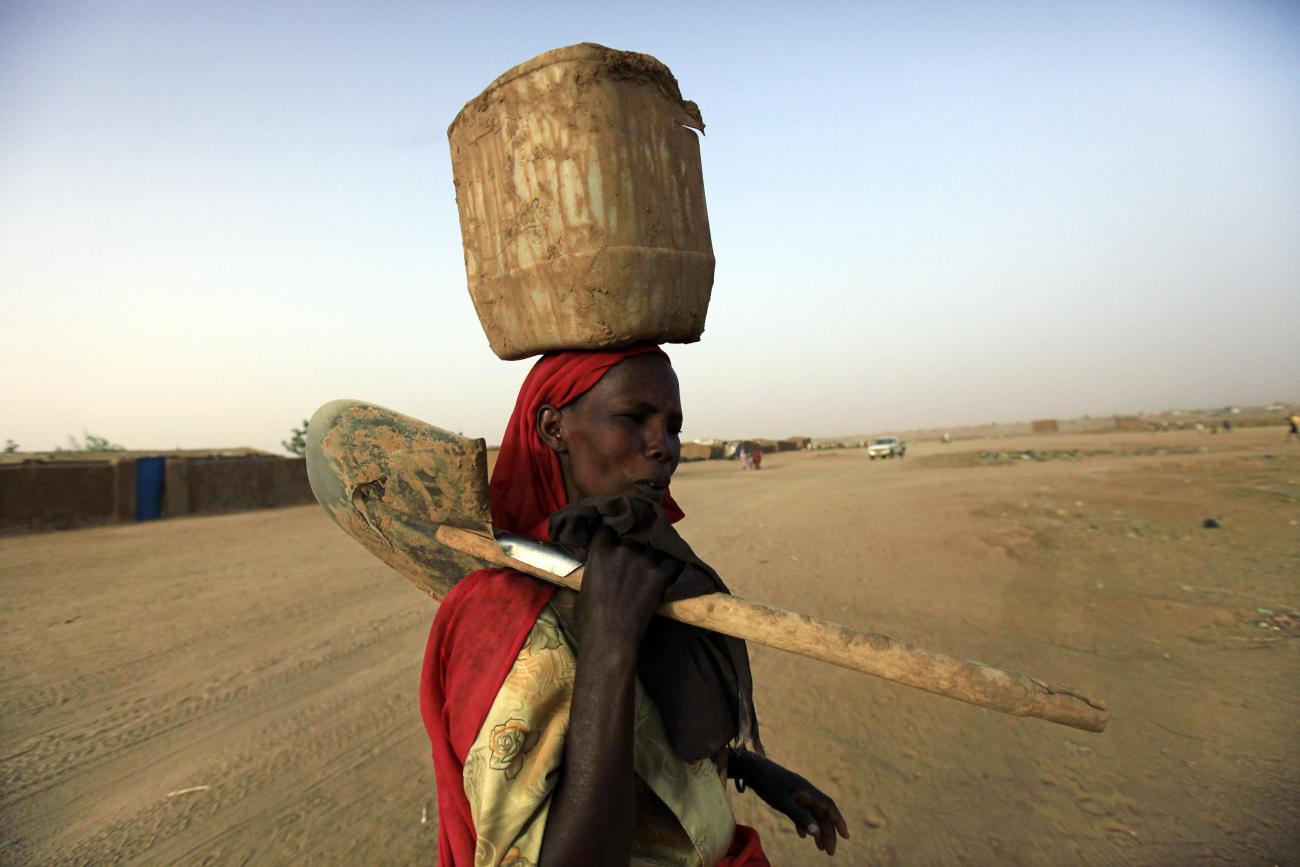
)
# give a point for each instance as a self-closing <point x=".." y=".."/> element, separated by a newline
<point x="241" y="689"/>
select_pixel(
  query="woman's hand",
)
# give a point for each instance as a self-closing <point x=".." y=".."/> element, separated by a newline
<point x="812" y="811"/>
<point x="621" y="588"/>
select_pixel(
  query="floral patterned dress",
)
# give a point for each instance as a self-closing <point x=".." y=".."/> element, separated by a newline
<point x="683" y="814"/>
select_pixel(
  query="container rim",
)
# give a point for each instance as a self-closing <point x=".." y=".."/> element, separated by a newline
<point x="578" y="51"/>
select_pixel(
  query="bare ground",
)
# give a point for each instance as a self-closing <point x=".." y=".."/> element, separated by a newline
<point x="241" y="689"/>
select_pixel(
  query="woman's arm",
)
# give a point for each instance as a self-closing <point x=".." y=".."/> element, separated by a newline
<point x="592" y="816"/>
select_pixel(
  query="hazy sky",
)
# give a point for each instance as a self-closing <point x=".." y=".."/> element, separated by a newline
<point x="216" y="216"/>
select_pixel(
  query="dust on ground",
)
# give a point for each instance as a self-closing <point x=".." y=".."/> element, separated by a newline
<point x="242" y="689"/>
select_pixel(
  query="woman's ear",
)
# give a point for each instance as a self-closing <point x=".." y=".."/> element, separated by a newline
<point x="550" y="427"/>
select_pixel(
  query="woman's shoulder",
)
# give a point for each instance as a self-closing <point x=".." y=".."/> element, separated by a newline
<point x="490" y="604"/>
<point x="495" y="592"/>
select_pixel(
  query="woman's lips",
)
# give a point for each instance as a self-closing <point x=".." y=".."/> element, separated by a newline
<point x="650" y="490"/>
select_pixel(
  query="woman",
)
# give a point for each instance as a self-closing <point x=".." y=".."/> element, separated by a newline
<point x="547" y="747"/>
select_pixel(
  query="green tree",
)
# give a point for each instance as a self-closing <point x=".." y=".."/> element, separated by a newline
<point x="296" y="444"/>
<point x="10" y="447"/>
<point x="90" y="442"/>
<point x="100" y="444"/>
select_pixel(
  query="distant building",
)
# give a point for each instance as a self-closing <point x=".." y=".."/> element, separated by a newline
<point x="1046" y="425"/>
<point x="701" y="451"/>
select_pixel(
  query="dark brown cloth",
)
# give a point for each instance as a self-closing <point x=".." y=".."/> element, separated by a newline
<point x="699" y="680"/>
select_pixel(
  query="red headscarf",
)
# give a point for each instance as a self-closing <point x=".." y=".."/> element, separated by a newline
<point x="527" y="483"/>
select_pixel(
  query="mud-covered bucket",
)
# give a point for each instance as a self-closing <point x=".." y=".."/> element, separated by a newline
<point x="581" y="202"/>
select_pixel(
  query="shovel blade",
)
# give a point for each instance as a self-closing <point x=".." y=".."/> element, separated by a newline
<point x="390" y="481"/>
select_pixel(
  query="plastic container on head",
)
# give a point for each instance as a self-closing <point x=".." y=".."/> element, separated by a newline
<point x="581" y="200"/>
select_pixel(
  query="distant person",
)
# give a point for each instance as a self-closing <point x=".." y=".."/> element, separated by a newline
<point x="757" y="457"/>
<point x="743" y="455"/>
<point x="1295" y="428"/>
<point x="1227" y="425"/>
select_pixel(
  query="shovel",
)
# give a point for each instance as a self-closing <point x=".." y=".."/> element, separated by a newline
<point x="416" y="497"/>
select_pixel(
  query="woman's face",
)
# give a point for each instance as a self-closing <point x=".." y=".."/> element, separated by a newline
<point x="621" y="438"/>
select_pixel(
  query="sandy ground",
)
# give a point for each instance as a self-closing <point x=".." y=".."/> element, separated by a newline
<point x="241" y="689"/>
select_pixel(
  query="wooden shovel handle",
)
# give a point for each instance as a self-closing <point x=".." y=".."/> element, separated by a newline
<point x="869" y="653"/>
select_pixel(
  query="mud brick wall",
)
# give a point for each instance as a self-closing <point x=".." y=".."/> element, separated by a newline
<point x="65" y="494"/>
<point x="1129" y="422"/>
<point x="1046" y="425"/>
<point x="208" y="485"/>
<point x="124" y="496"/>
<point x="176" y="488"/>
<point x="57" y="494"/>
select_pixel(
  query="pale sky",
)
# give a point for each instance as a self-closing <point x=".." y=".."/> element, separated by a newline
<point x="215" y="217"/>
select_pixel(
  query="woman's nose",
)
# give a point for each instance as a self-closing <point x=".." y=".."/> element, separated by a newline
<point x="658" y="447"/>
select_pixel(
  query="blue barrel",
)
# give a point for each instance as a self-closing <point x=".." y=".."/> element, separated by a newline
<point x="149" y="488"/>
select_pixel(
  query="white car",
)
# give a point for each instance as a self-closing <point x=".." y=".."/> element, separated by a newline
<point x="886" y="447"/>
